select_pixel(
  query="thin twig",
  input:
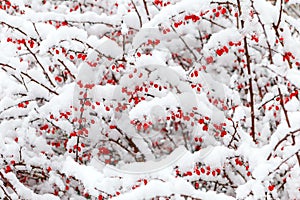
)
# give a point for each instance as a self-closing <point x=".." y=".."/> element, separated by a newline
<point x="137" y="12"/>
<point x="32" y="79"/>
<point x="39" y="63"/>
<point x="146" y="8"/>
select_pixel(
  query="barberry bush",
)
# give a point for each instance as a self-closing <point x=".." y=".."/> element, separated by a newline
<point x="149" y="99"/>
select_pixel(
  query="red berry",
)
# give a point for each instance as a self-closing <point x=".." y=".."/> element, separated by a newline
<point x="209" y="60"/>
<point x="145" y="181"/>
<point x="7" y="169"/>
<point x="189" y="173"/>
<point x="49" y="169"/>
<point x="223" y="11"/>
<point x="223" y="133"/>
<point x="104" y="150"/>
<point x="219" y="52"/>
<point x="201" y="121"/>
<point x="58" y="79"/>
<point x="202" y="170"/>
<point x="64" y="23"/>
<point x="21" y="105"/>
<point x="271" y="187"/>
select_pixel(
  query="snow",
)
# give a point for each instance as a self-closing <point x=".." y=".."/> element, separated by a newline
<point x="180" y="187"/>
<point x="152" y="106"/>
<point x="293" y="76"/>
<point x="154" y="166"/>
<point x="251" y="186"/>
<point x="168" y="116"/>
<point x="25" y="192"/>
<point x="62" y="101"/>
<point x="217" y="156"/>
<point x="87" y="174"/>
<point x="152" y="61"/>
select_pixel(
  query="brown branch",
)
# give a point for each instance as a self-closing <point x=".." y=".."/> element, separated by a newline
<point x="214" y="23"/>
<point x="137" y="12"/>
<point x="40" y="38"/>
<point x="12" y="27"/>
<point x="185" y="44"/>
<point x="280" y="14"/>
<point x="235" y="132"/>
<point x="283" y="163"/>
<point x="283" y="108"/>
<point x="6" y="195"/>
<point x="39" y="63"/>
<point x="265" y="33"/>
<point x="66" y="68"/>
<point x="91" y="47"/>
<point x="80" y="127"/>
<point x="146" y="8"/>
<point x="130" y="141"/>
<point x="122" y="146"/>
<point x="282" y="140"/>
<point x="281" y="42"/>
<point x="15" y="77"/>
<point x="6" y="182"/>
<point x="222" y="3"/>
<point x="31" y="79"/>
<point x="250" y="77"/>
<point x="268" y="101"/>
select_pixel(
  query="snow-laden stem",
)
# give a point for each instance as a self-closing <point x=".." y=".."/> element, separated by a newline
<point x="292" y="134"/>
<point x="40" y="64"/>
<point x="281" y="42"/>
<point x="6" y="195"/>
<point x="66" y="68"/>
<point x="184" y="42"/>
<point x="31" y="79"/>
<point x="233" y="135"/>
<point x="280" y="14"/>
<point x="6" y="182"/>
<point x="265" y="33"/>
<point x="250" y="77"/>
<point x="283" y="108"/>
<point x="80" y="128"/>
